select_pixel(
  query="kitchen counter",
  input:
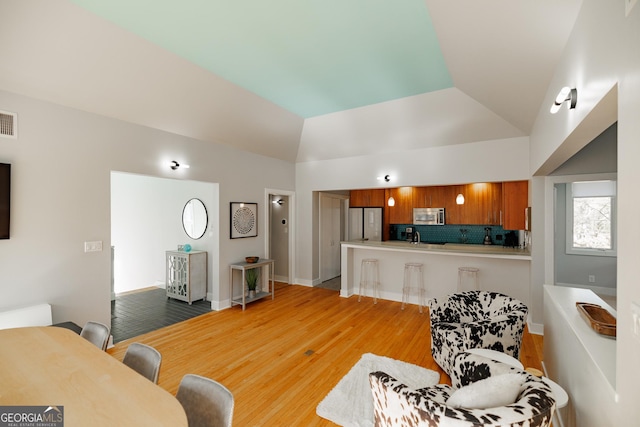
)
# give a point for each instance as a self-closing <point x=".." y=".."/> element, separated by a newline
<point x="447" y="248"/>
<point x="501" y="269"/>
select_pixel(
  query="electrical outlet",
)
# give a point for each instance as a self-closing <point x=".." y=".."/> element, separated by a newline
<point x="93" y="246"/>
<point x="592" y="278"/>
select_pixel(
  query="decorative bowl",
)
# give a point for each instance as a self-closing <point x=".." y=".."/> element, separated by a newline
<point x="252" y="259"/>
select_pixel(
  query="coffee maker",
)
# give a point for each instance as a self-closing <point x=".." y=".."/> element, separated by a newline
<point x="487" y="237"/>
<point x="409" y="234"/>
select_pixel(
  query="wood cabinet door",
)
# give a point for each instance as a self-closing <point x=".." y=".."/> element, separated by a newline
<point x="515" y="199"/>
<point x="453" y="211"/>
<point x="422" y="197"/>
<point x="366" y="198"/>
<point x="402" y="211"/>
<point x="482" y="204"/>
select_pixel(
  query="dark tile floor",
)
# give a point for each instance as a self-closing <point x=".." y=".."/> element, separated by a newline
<point x="137" y="313"/>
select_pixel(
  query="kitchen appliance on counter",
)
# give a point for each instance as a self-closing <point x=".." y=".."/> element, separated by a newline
<point x="409" y="234"/>
<point x="428" y="216"/>
<point x="365" y="224"/>
<point x="487" y="236"/>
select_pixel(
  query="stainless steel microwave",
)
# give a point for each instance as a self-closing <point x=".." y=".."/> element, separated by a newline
<point x="428" y="216"/>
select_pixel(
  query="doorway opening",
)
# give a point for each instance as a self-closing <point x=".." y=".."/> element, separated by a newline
<point x="333" y="211"/>
<point x="146" y="222"/>
<point x="280" y="234"/>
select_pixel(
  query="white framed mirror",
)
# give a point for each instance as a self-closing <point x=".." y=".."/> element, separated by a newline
<point x="194" y="218"/>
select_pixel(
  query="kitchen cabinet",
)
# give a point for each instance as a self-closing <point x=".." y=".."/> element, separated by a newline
<point x="402" y="211"/>
<point x="367" y="198"/>
<point x="482" y="204"/>
<point x="186" y="275"/>
<point x="453" y="212"/>
<point x="515" y="199"/>
<point x="430" y="197"/>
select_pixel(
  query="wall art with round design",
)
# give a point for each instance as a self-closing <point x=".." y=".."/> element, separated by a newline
<point x="244" y="220"/>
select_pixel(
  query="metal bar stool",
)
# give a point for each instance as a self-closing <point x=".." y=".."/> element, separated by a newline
<point x="413" y="281"/>
<point x="468" y="273"/>
<point x="369" y="278"/>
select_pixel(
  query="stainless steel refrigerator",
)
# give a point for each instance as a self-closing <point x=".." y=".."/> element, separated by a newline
<point x="365" y="223"/>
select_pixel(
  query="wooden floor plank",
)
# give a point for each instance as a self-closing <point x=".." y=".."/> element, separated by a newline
<point x="281" y="357"/>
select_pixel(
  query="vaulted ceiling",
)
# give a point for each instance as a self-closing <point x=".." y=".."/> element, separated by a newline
<point x="296" y="80"/>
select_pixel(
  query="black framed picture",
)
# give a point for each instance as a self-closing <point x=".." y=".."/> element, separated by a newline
<point x="244" y="220"/>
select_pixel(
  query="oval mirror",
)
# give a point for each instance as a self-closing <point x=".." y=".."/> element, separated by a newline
<point x="194" y="218"/>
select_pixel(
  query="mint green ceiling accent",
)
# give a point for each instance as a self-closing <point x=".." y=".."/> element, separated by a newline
<point x="311" y="57"/>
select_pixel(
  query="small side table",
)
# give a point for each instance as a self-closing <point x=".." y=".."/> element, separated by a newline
<point x="243" y="266"/>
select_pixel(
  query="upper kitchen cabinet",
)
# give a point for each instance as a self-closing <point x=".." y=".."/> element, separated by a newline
<point x="515" y="199"/>
<point x="367" y="198"/>
<point x="482" y="204"/>
<point x="453" y="212"/>
<point x="402" y="211"/>
<point x="430" y="197"/>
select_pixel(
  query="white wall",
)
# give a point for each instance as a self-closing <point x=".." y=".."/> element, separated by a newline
<point x="146" y="221"/>
<point x="601" y="60"/>
<point x="61" y="167"/>
<point x="486" y="161"/>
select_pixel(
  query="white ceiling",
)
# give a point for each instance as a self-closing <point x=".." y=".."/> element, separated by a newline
<point x="500" y="54"/>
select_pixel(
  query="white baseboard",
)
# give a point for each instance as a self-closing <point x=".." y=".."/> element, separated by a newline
<point x="284" y="279"/>
<point x="307" y="283"/>
<point x="535" y="328"/>
<point x="159" y="284"/>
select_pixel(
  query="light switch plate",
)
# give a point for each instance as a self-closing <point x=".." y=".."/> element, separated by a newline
<point x="628" y="5"/>
<point x="635" y="313"/>
<point x="95" y="246"/>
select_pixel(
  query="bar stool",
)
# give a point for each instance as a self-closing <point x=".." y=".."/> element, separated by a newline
<point x="470" y="273"/>
<point x="413" y="281"/>
<point x="369" y="277"/>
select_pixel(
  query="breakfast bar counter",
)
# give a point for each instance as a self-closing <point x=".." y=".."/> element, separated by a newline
<point x="502" y="269"/>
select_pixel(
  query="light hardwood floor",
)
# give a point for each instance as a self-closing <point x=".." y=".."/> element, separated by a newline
<point x="280" y="358"/>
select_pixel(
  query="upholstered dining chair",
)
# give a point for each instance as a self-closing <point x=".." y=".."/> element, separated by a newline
<point x="96" y="333"/>
<point x="205" y="401"/>
<point x="143" y="359"/>
<point x="475" y="319"/>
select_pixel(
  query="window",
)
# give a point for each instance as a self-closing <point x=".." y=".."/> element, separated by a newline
<point x="591" y="225"/>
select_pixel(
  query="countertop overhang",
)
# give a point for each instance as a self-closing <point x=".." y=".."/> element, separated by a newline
<point x="456" y="249"/>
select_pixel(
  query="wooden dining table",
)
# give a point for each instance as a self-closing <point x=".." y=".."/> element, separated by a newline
<point x="56" y="367"/>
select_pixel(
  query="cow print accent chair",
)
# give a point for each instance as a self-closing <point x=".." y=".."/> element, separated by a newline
<point x="395" y="404"/>
<point x="475" y="319"/>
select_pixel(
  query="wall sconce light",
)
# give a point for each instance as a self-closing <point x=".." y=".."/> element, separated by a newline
<point x="385" y="178"/>
<point x="460" y="199"/>
<point x="565" y="94"/>
<point x="175" y="165"/>
<point x="391" y="201"/>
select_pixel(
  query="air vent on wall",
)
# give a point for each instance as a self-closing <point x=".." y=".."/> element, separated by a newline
<point x="8" y="124"/>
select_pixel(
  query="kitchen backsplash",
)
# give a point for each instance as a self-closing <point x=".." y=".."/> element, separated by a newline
<point x="450" y="233"/>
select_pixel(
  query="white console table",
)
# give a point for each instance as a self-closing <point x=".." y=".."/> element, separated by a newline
<point x="267" y="282"/>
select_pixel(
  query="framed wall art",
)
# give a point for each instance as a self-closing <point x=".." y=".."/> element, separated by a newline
<point x="244" y="220"/>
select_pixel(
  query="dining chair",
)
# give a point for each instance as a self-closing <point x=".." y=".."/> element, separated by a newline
<point x="205" y="401"/>
<point x="96" y="333"/>
<point x="143" y="359"/>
